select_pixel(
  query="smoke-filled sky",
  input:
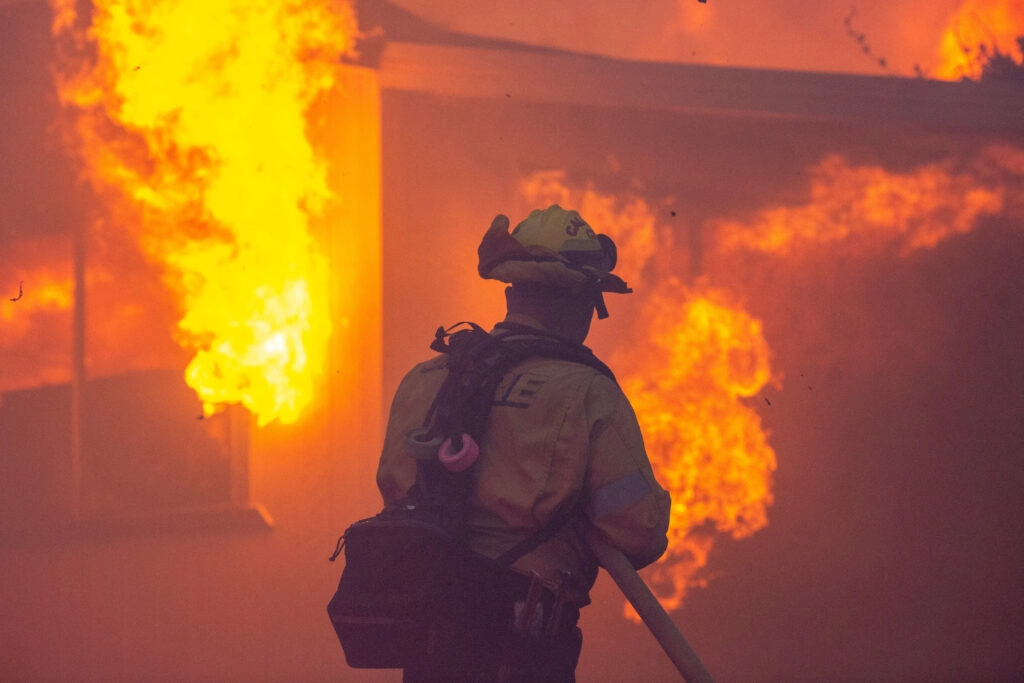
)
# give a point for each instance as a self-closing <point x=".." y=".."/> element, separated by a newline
<point x="785" y="34"/>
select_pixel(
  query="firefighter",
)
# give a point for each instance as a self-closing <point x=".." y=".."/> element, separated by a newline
<point x="560" y="437"/>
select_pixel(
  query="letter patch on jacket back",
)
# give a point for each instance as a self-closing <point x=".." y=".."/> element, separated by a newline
<point x="519" y="390"/>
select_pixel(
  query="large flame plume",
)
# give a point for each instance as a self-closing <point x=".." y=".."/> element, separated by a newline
<point x="190" y="116"/>
<point x="976" y="31"/>
<point x="703" y="355"/>
<point x="866" y="208"/>
<point x="694" y="356"/>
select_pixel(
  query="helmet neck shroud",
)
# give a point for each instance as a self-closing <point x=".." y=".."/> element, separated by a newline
<point x="565" y="312"/>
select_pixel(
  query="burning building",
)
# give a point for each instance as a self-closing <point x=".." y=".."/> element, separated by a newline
<point x="223" y="252"/>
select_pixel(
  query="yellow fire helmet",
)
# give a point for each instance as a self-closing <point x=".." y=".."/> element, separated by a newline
<point x="553" y="248"/>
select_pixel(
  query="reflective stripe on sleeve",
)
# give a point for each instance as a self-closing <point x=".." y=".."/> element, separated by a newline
<point x="618" y="495"/>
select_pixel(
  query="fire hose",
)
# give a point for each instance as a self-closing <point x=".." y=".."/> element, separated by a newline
<point x="647" y="606"/>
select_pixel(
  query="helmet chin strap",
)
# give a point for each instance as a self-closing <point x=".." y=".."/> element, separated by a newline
<point x="602" y="310"/>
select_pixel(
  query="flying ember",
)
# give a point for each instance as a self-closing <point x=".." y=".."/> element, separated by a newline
<point x="190" y="121"/>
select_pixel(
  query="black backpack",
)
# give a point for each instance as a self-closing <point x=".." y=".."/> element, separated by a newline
<point x="404" y="566"/>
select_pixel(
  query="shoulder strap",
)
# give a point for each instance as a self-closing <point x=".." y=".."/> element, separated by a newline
<point x="507" y="558"/>
<point x="544" y="343"/>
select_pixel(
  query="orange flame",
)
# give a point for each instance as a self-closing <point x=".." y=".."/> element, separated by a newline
<point x="191" y="121"/>
<point x="977" y="30"/>
<point x="695" y="356"/>
<point x="707" y="447"/>
<point x="867" y="208"/>
<point x="36" y="328"/>
<point x="35" y="312"/>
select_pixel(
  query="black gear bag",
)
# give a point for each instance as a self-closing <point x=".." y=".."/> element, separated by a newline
<point x="400" y="568"/>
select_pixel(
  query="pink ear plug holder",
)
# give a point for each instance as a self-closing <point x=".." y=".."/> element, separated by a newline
<point x="461" y="460"/>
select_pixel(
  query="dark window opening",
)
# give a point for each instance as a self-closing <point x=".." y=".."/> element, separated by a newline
<point x="147" y="460"/>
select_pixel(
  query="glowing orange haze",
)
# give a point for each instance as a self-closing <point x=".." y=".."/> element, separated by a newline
<point x="191" y="124"/>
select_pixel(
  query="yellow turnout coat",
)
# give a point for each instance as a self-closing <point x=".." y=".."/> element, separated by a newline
<point x="558" y="432"/>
